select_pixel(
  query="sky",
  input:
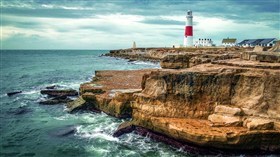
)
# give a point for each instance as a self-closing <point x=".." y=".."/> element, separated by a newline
<point x="115" y="24"/>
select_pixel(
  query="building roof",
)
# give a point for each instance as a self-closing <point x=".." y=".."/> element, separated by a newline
<point x="266" y="41"/>
<point x="243" y="42"/>
<point x="229" y="40"/>
<point x="256" y="41"/>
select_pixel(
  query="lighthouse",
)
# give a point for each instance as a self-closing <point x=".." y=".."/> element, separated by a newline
<point x="188" y="39"/>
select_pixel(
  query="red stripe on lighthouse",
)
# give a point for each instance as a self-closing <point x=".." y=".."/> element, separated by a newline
<point x="188" y="31"/>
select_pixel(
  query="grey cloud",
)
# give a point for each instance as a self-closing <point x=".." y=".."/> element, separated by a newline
<point x="160" y="21"/>
<point x="20" y="24"/>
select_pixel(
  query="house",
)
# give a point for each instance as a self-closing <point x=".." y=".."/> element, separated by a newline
<point x="229" y="42"/>
<point x="203" y="42"/>
<point x="268" y="42"/>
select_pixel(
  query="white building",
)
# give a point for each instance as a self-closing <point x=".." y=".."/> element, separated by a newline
<point x="229" y="42"/>
<point x="268" y="42"/>
<point x="203" y="42"/>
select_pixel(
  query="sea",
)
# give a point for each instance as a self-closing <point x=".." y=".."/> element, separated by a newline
<point x="29" y="129"/>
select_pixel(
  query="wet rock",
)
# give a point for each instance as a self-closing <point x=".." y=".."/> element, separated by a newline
<point x="124" y="128"/>
<point x="178" y="144"/>
<point x="131" y="60"/>
<point x="175" y="62"/>
<point x="13" y="93"/>
<point x="56" y="100"/>
<point x="20" y="111"/>
<point x="60" y="92"/>
<point x="51" y="87"/>
<point x="76" y="104"/>
<point x="63" y="131"/>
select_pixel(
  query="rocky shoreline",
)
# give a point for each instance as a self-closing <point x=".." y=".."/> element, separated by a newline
<point x="220" y="99"/>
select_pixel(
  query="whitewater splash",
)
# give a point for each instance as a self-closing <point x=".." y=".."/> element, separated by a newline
<point x="156" y="65"/>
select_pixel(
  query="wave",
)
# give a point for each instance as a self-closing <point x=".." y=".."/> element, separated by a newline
<point x="99" y="150"/>
<point x="67" y="85"/>
<point x="65" y="117"/>
<point x="145" y="63"/>
<point x="3" y="95"/>
<point x="30" y="92"/>
<point x="96" y="135"/>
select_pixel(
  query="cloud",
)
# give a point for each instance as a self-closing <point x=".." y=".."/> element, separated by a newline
<point x="116" y="23"/>
<point x="162" y="21"/>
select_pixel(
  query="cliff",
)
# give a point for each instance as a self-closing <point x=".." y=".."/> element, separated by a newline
<point x="225" y="99"/>
<point x="110" y="91"/>
<point x="156" y="54"/>
<point x="219" y="106"/>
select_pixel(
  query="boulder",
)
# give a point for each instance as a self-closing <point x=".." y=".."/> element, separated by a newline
<point x="56" y="100"/>
<point x="258" y="49"/>
<point x="124" y="128"/>
<point x="224" y="120"/>
<point x="59" y="92"/>
<point x="63" y="131"/>
<point x="175" y="62"/>
<point x="226" y="110"/>
<point x="51" y="87"/>
<point x="259" y="124"/>
<point x="76" y="104"/>
<point x="253" y="58"/>
<point x="13" y="93"/>
<point x="20" y="110"/>
<point x="270" y="57"/>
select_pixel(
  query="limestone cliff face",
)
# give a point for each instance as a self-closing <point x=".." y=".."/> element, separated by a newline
<point x="200" y="91"/>
<point x="234" y="105"/>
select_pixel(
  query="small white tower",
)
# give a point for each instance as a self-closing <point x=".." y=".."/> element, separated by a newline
<point x="188" y="39"/>
<point x="134" y="45"/>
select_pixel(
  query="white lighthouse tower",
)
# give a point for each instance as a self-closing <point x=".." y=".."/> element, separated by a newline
<point x="188" y="39"/>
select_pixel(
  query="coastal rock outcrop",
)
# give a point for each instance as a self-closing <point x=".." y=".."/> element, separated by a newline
<point x="56" y="100"/>
<point x="14" y="93"/>
<point x="111" y="92"/>
<point x="202" y="54"/>
<point x="57" y="96"/>
<point x="270" y="57"/>
<point x="207" y="98"/>
<point x="175" y="62"/>
<point x="76" y="104"/>
<point x="227" y="107"/>
<point x="258" y="49"/>
<point x="59" y="92"/>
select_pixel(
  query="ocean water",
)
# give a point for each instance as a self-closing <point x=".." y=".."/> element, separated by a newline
<point x="30" y="129"/>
